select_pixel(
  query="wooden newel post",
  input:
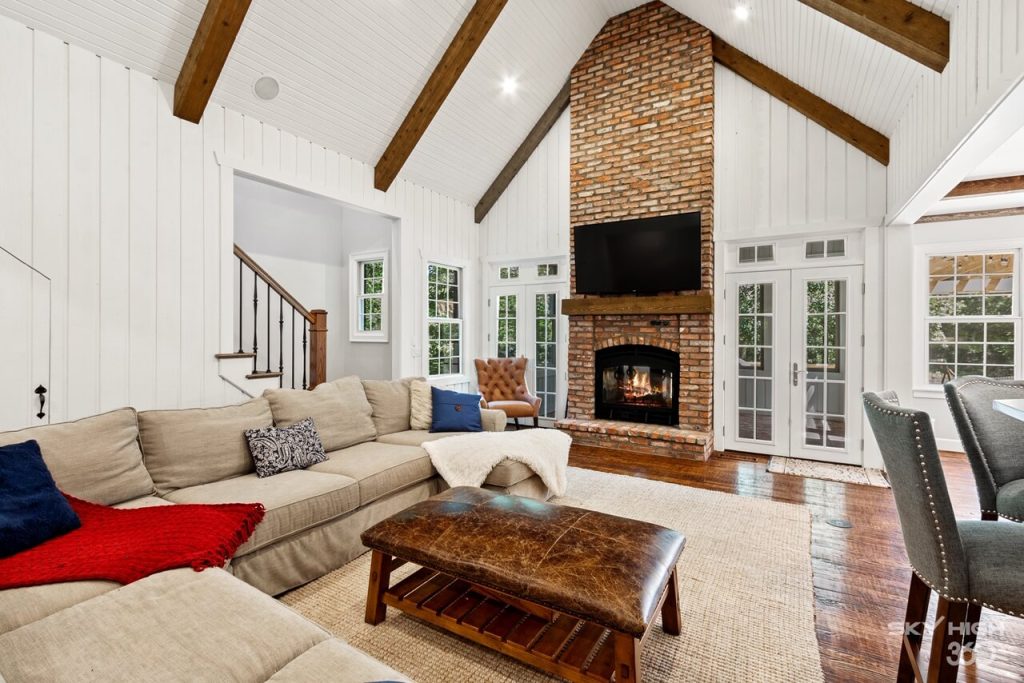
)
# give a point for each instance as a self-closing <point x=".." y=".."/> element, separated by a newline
<point x="318" y="348"/>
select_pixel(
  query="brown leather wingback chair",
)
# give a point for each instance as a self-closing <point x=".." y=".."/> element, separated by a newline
<point x="503" y="385"/>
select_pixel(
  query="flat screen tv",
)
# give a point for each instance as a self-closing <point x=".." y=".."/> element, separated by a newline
<point x="641" y="256"/>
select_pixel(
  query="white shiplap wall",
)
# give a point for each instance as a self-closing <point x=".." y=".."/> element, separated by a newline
<point x="777" y="172"/>
<point x="986" y="59"/>
<point x="531" y="218"/>
<point x="119" y="203"/>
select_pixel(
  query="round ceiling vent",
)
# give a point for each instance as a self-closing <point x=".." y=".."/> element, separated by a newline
<point x="266" y="87"/>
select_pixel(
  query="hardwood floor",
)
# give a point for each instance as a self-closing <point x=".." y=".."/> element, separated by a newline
<point x="861" y="575"/>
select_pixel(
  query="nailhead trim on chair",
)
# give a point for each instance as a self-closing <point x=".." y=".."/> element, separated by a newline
<point x="943" y="592"/>
<point x="970" y="423"/>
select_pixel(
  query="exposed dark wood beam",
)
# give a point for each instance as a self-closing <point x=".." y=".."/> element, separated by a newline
<point x="1012" y="183"/>
<point x="965" y="215"/>
<point x="206" y="56"/>
<point x="903" y="26"/>
<point x="832" y="118"/>
<point x="522" y="154"/>
<point x="453" y="62"/>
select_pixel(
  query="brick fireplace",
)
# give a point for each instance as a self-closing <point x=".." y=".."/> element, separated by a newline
<point x="642" y="115"/>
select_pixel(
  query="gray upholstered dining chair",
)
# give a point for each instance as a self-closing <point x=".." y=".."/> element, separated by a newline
<point x="970" y="564"/>
<point x="994" y="443"/>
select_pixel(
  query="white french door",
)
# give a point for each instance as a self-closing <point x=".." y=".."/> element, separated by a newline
<point x="525" y="321"/>
<point x="795" y="363"/>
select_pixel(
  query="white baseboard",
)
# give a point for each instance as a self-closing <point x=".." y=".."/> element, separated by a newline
<point x="949" y="445"/>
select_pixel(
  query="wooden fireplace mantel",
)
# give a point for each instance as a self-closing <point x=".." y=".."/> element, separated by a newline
<point x="639" y="305"/>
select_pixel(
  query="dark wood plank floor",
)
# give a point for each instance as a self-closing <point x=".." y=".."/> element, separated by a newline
<point x="861" y="574"/>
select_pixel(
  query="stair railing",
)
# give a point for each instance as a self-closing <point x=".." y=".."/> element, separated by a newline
<point x="303" y="341"/>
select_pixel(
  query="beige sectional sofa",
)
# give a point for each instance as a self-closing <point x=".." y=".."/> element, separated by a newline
<point x="313" y="520"/>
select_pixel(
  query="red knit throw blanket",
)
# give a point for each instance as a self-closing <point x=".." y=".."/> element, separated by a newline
<point x="127" y="545"/>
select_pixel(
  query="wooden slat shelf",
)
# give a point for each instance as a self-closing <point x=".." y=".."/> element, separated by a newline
<point x="639" y="305"/>
<point x="565" y="646"/>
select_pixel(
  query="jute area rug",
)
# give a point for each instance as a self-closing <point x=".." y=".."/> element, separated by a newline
<point x="745" y="575"/>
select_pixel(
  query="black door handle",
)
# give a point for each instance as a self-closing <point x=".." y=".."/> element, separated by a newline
<point x="41" y="393"/>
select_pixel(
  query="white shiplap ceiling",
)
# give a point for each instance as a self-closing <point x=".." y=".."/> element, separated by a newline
<point x="349" y="70"/>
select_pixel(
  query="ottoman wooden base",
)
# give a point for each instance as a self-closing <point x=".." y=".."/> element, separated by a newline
<point x="575" y="649"/>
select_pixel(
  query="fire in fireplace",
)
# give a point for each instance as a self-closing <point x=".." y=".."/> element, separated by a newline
<point x="637" y="383"/>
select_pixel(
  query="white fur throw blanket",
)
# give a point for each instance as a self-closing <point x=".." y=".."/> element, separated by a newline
<point x="467" y="459"/>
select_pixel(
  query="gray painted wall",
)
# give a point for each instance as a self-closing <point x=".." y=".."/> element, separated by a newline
<point x="304" y="241"/>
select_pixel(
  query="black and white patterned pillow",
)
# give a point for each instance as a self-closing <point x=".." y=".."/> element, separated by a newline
<point x="276" y="450"/>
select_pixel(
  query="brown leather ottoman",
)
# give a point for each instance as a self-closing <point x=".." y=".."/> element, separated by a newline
<point x="569" y="591"/>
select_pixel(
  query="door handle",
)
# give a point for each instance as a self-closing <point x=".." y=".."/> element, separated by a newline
<point x="41" y="393"/>
<point x="796" y="374"/>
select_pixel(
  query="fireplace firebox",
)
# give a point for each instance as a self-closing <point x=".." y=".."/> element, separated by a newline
<point x="637" y="383"/>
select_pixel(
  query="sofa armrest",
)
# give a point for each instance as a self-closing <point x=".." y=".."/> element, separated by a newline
<point x="493" y="420"/>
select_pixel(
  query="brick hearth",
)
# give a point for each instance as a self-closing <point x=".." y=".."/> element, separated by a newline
<point x="642" y="118"/>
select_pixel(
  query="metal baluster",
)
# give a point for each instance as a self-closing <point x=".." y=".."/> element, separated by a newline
<point x="268" y="328"/>
<point x="305" y="364"/>
<point x="280" y="341"/>
<point x="255" y="312"/>
<point x="292" y="342"/>
<point x="241" y="271"/>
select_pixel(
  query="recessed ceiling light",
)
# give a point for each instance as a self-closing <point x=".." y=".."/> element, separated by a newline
<point x="509" y="85"/>
<point x="266" y="87"/>
<point x="741" y="12"/>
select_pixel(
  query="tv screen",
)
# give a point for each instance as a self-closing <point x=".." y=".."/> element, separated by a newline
<point x="643" y="255"/>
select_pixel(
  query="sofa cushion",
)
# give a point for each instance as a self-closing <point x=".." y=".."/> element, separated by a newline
<point x="144" y="502"/>
<point x="508" y="473"/>
<point x="339" y="409"/>
<point x="20" y="606"/>
<point x="413" y="437"/>
<point x="421" y="407"/>
<point x="294" y="501"/>
<point x="96" y="458"/>
<point x="379" y="468"/>
<point x="338" y="662"/>
<point x="175" y="625"/>
<point x="390" y="400"/>
<point x="189" y="447"/>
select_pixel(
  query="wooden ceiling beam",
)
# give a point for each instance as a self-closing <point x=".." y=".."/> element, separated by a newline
<point x="969" y="188"/>
<point x="453" y="62"/>
<point x="903" y="26"/>
<point x="544" y="124"/>
<point x="968" y="215"/>
<point x="210" y="47"/>
<point x="832" y="118"/>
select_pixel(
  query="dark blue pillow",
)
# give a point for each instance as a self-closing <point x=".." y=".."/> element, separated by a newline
<point x="454" y="412"/>
<point x="32" y="508"/>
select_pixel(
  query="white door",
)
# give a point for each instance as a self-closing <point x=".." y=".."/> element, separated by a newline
<point x="794" y="372"/>
<point x="825" y="365"/>
<point x="25" y="321"/>
<point x="525" y="321"/>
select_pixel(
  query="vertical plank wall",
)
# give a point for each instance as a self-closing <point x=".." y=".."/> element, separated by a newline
<point x="776" y="172"/>
<point x="118" y="202"/>
<point x="986" y="59"/>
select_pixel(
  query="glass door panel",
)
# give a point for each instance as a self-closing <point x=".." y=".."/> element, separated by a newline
<point x="546" y="351"/>
<point x="825" y="370"/>
<point x="757" y="310"/>
<point x="508" y="326"/>
<point x="755" y="326"/>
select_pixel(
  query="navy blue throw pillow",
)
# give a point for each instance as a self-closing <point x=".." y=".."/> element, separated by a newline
<point x="454" y="412"/>
<point x="32" y="508"/>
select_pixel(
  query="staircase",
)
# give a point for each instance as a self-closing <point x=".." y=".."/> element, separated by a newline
<point x="279" y="342"/>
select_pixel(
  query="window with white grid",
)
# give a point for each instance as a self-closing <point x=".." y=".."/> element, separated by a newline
<point x="972" y="316"/>
<point x="444" y="320"/>
<point x="369" y="303"/>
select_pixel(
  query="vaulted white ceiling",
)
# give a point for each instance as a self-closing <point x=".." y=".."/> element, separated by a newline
<point x="349" y="71"/>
